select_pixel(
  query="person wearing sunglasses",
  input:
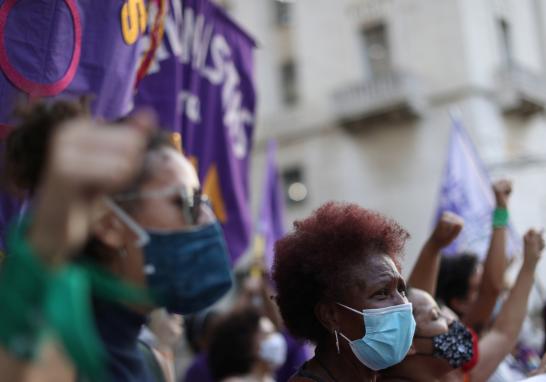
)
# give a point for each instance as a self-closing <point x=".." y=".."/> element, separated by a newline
<point x="118" y="226"/>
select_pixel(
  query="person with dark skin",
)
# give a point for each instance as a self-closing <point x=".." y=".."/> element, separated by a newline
<point x="467" y="287"/>
<point x="256" y="291"/>
<point x="338" y="280"/>
<point x="245" y="347"/>
<point x="425" y="364"/>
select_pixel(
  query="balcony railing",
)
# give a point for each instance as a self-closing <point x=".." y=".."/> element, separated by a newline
<point x="521" y="90"/>
<point x="394" y="95"/>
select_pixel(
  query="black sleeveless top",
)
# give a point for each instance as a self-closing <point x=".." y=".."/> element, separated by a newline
<point x="302" y="372"/>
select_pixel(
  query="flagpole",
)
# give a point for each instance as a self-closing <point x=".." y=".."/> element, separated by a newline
<point x="258" y="255"/>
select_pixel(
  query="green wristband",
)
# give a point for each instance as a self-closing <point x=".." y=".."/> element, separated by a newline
<point x="500" y="218"/>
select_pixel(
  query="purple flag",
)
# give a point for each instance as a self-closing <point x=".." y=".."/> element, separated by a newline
<point x="270" y="222"/>
<point x="466" y="191"/>
<point x="70" y="48"/>
<point x="201" y="85"/>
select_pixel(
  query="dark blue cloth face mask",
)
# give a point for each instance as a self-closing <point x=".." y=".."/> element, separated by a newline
<point x="186" y="270"/>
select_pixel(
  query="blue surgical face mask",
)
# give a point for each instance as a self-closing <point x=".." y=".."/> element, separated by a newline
<point x="186" y="270"/>
<point x="388" y="338"/>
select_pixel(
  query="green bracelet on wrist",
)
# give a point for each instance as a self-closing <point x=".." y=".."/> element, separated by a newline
<point x="500" y="218"/>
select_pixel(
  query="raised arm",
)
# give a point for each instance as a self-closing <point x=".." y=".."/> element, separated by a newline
<point x="495" y="263"/>
<point x="501" y="339"/>
<point x="425" y="272"/>
<point x="86" y="161"/>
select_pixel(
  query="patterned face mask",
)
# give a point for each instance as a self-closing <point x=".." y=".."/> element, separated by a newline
<point x="456" y="346"/>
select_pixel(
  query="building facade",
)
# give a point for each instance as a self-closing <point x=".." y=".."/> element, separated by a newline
<point x="359" y="93"/>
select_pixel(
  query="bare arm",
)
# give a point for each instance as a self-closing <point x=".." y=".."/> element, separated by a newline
<point x="425" y="272"/>
<point x="50" y="366"/>
<point x="494" y="267"/>
<point x="12" y="368"/>
<point x="499" y="342"/>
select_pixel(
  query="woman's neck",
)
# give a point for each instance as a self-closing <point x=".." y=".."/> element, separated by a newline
<point x="342" y="367"/>
<point x="413" y="369"/>
<point x="261" y="372"/>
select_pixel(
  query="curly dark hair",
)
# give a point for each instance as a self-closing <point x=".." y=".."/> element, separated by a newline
<point x="312" y="263"/>
<point x="454" y="277"/>
<point x="27" y="144"/>
<point x="232" y="350"/>
<point x="198" y="327"/>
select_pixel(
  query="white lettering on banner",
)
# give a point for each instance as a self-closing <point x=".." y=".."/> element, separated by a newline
<point x="220" y="53"/>
<point x="190" y="105"/>
<point x="191" y="37"/>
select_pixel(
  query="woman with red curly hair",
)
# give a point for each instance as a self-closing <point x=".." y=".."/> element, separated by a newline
<point x="339" y="286"/>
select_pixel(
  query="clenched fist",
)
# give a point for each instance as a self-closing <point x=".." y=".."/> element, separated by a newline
<point x="447" y="229"/>
<point x="502" y="190"/>
<point x="533" y="243"/>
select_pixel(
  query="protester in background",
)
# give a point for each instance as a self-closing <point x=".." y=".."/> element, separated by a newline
<point x="339" y="285"/>
<point x="425" y="272"/>
<point x="199" y="328"/>
<point x="467" y="287"/>
<point x="245" y="346"/>
<point x="442" y="346"/>
<point x="156" y="215"/>
<point x="255" y="291"/>
<point x="157" y="339"/>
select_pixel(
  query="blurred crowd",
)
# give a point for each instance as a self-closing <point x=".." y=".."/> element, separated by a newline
<point x="117" y="269"/>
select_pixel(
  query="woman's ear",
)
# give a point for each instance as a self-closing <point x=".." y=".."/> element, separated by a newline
<point x="327" y="315"/>
<point x="109" y="230"/>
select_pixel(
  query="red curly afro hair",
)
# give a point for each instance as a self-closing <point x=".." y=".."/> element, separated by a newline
<point x="313" y="261"/>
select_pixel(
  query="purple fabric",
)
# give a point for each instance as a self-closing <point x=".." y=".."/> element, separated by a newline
<point x="198" y="370"/>
<point x="270" y="222"/>
<point x="466" y="191"/>
<point x="9" y="209"/>
<point x="39" y="38"/>
<point x="9" y="206"/>
<point x="201" y="85"/>
<point x="296" y="356"/>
